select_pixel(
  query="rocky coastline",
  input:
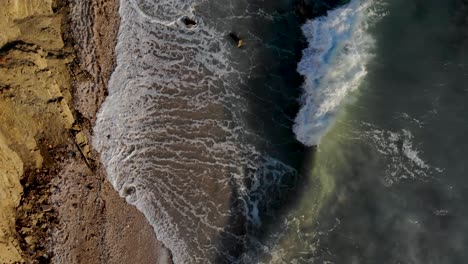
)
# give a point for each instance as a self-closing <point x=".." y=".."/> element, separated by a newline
<point x="56" y="204"/>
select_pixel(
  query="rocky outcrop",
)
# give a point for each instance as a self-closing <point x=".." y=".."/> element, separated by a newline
<point x="34" y="106"/>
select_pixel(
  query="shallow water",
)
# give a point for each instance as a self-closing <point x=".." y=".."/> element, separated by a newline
<point x="197" y="132"/>
<point x="205" y="138"/>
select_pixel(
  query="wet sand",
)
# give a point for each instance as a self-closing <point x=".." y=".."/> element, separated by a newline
<point x="97" y="226"/>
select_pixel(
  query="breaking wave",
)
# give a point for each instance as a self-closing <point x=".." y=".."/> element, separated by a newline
<point x="333" y="65"/>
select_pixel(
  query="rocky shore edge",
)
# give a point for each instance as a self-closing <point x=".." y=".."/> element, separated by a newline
<point x="59" y="207"/>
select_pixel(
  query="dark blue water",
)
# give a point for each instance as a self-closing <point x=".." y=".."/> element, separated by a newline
<point x="397" y="153"/>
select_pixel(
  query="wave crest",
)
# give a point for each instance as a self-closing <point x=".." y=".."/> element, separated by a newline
<point x="333" y="65"/>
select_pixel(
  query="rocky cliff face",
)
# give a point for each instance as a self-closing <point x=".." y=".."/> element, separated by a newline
<point x="34" y="105"/>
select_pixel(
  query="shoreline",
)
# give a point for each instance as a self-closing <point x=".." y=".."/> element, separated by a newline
<point x="110" y="230"/>
<point x="57" y="206"/>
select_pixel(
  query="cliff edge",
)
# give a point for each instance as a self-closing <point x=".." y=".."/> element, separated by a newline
<point x="55" y="203"/>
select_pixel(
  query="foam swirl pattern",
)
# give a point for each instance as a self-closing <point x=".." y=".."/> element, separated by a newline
<point x="166" y="12"/>
<point x="173" y="139"/>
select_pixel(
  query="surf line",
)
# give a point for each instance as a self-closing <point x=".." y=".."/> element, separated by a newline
<point x="333" y="66"/>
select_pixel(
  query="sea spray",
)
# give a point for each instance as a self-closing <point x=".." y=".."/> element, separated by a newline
<point x="334" y="65"/>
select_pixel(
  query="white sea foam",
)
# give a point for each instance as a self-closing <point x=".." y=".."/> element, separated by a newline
<point x="172" y="137"/>
<point x="334" y="64"/>
<point x="166" y="12"/>
<point x="403" y="159"/>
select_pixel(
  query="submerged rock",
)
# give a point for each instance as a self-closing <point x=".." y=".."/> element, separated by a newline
<point x="239" y="42"/>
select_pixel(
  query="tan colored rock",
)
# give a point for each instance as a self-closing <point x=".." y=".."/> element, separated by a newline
<point x="34" y="102"/>
<point x="11" y="169"/>
<point x="22" y="10"/>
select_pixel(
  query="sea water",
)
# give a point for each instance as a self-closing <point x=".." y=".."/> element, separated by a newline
<point x="208" y="139"/>
<point x="196" y="132"/>
<point x="392" y="157"/>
